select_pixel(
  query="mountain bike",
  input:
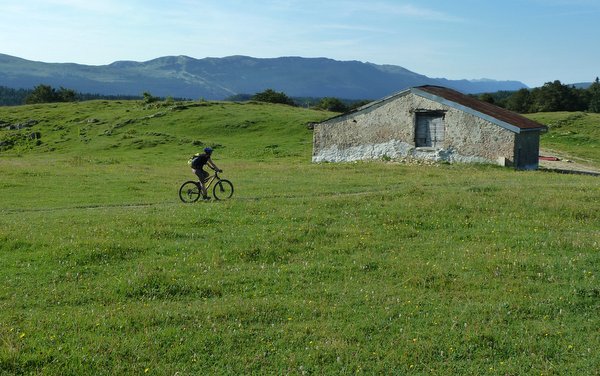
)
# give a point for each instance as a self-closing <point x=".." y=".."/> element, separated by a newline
<point x="222" y="189"/>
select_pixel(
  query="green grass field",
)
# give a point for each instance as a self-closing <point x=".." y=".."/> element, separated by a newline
<point x="575" y="133"/>
<point x="356" y="268"/>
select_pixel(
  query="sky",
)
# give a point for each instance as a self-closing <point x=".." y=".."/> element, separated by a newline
<point x="532" y="41"/>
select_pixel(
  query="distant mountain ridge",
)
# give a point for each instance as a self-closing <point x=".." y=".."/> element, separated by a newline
<point x="219" y="78"/>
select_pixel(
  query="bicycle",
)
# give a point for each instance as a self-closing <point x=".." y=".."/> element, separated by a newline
<point x="222" y="189"/>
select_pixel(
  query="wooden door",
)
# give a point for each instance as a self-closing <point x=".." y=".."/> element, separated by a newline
<point x="430" y="130"/>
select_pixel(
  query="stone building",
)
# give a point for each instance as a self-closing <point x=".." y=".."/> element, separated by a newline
<point x="430" y="122"/>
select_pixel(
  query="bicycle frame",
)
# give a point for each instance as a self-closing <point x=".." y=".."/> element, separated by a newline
<point x="208" y="182"/>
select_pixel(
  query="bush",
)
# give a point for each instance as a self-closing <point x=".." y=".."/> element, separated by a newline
<point x="149" y="98"/>
<point x="271" y="96"/>
<point x="332" y="104"/>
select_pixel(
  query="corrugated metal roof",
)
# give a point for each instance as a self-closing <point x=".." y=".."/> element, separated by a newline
<point x="491" y="110"/>
<point x="452" y="98"/>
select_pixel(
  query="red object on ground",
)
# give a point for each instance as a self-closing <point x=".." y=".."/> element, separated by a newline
<point x="543" y="158"/>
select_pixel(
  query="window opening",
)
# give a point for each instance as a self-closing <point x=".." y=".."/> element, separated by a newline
<point x="429" y="130"/>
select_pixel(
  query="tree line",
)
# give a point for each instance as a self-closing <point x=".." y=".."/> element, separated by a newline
<point x="551" y="97"/>
<point x="327" y="103"/>
<point x="12" y="97"/>
<point x="48" y="94"/>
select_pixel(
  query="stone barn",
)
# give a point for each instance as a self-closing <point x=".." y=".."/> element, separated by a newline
<point x="430" y="122"/>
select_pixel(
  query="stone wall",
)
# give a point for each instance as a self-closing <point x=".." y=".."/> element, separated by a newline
<point x="387" y="129"/>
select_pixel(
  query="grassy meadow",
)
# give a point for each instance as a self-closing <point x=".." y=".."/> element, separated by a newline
<point x="356" y="268"/>
<point x="574" y="133"/>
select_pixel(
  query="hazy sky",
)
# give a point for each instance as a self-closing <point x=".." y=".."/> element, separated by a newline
<point x="533" y="41"/>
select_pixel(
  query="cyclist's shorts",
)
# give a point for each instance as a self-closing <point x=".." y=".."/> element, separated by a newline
<point x="201" y="174"/>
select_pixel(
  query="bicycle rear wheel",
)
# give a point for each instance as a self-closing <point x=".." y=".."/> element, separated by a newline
<point x="222" y="190"/>
<point x="190" y="192"/>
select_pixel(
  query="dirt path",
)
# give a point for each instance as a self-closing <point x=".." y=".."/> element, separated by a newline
<point x="555" y="161"/>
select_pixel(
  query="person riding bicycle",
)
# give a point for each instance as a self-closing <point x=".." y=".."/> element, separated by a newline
<point x="198" y="164"/>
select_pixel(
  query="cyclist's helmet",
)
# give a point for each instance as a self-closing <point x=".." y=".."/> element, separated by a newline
<point x="208" y="150"/>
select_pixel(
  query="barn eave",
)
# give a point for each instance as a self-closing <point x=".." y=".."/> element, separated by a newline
<point x="435" y="98"/>
<point x="467" y="110"/>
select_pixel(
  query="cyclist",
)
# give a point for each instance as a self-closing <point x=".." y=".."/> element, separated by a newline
<point x="198" y="167"/>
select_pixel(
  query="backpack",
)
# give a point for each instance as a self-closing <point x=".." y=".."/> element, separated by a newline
<point x="194" y="161"/>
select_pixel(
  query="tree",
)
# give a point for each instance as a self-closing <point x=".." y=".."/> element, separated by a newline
<point x="332" y="104"/>
<point x="549" y="97"/>
<point x="554" y="96"/>
<point x="65" y="95"/>
<point x="149" y="98"/>
<point x="271" y="96"/>
<point x="47" y="94"/>
<point x="12" y="97"/>
<point x="41" y="94"/>
<point x="520" y="101"/>
<point x="594" y="93"/>
<point x="487" y="97"/>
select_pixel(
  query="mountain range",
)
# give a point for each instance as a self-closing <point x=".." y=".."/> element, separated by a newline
<point x="220" y="78"/>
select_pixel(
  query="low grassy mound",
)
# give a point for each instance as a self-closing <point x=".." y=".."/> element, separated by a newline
<point x="134" y="129"/>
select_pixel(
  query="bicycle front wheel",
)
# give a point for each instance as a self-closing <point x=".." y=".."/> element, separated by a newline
<point x="222" y="190"/>
<point x="189" y="192"/>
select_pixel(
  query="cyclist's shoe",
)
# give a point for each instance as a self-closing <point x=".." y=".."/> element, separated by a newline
<point x="205" y="198"/>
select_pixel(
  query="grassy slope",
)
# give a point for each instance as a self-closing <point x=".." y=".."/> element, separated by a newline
<point x="575" y="133"/>
<point x="331" y="268"/>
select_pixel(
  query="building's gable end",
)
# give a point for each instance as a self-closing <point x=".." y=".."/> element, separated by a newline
<point x="367" y="108"/>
